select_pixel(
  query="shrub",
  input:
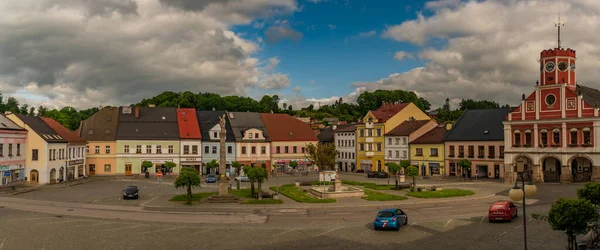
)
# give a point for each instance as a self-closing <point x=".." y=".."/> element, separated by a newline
<point x="412" y="189"/>
<point x="419" y="189"/>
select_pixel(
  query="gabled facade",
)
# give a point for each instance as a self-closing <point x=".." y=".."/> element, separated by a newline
<point x="100" y="132"/>
<point x="553" y="133"/>
<point x="210" y="132"/>
<point x="370" y="154"/>
<point x="289" y="138"/>
<point x="147" y="134"/>
<point x="345" y="144"/>
<point x="253" y="145"/>
<point x="428" y="152"/>
<point x="191" y="138"/>
<point x="13" y="144"/>
<point x="46" y="150"/>
<point x="397" y="141"/>
<point x="479" y="137"/>
<point x="75" y="152"/>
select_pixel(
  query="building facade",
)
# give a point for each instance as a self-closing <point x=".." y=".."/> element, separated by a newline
<point x="477" y="136"/>
<point x="100" y="132"/>
<point x="345" y="144"/>
<point x="288" y="142"/>
<point x="147" y="134"/>
<point x="75" y="151"/>
<point x="552" y="134"/>
<point x="13" y="144"/>
<point x="397" y="141"/>
<point x="370" y="154"/>
<point x="191" y="139"/>
<point x="428" y="151"/>
<point x="46" y="150"/>
<point x="252" y="141"/>
<point x="210" y="131"/>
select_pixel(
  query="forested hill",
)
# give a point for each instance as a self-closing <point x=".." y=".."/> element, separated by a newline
<point x="350" y="112"/>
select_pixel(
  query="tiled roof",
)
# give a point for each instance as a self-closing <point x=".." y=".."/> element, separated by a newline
<point x="479" y="125"/>
<point x="151" y="123"/>
<point x="42" y="129"/>
<point x="387" y="110"/>
<point x="242" y="121"/>
<point x="69" y="135"/>
<point x="590" y="96"/>
<point x="101" y="126"/>
<point x="7" y="124"/>
<point x="188" y="123"/>
<point x="208" y="119"/>
<point x="436" y="135"/>
<point x="345" y="128"/>
<point x="326" y="135"/>
<point x="283" y="127"/>
<point x="407" y="127"/>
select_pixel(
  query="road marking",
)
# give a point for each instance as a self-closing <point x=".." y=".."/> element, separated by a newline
<point x="368" y="230"/>
<point x="114" y="229"/>
<point x="143" y="204"/>
<point x="164" y="230"/>
<point x="2" y="244"/>
<point x="96" y="200"/>
<point x="197" y="232"/>
<point x="330" y="231"/>
<point x="481" y="221"/>
<point x="61" y="222"/>
<point x="518" y="226"/>
<point x="99" y="224"/>
<point x="413" y="224"/>
<point x="502" y="234"/>
<point x="450" y="220"/>
<point x="291" y="230"/>
<point x="339" y="213"/>
<point x="39" y="218"/>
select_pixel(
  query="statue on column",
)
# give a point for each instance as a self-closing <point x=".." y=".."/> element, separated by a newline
<point x="223" y="183"/>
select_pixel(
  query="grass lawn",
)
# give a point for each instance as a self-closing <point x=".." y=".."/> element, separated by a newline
<point x="445" y="193"/>
<point x="295" y="193"/>
<point x="195" y="196"/>
<point x="370" y="185"/>
<point x="263" y="201"/>
<point x="377" y="196"/>
<point x="242" y="193"/>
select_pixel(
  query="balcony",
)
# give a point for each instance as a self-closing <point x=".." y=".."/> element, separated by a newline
<point x="370" y="153"/>
<point x="369" y="139"/>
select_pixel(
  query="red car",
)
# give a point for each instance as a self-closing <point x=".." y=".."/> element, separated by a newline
<point x="503" y="210"/>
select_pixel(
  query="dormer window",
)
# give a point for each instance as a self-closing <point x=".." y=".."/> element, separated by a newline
<point x="249" y="135"/>
<point x="370" y="120"/>
<point x="257" y="135"/>
<point x="215" y="135"/>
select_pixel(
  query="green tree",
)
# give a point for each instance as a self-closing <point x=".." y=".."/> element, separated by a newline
<point x="404" y="164"/>
<point x="258" y="174"/>
<point x="413" y="172"/>
<point x="247" y="170"/>
<point x="591" y="192"/>
<point x="466" y="166"/>
<point x="293" y="164"/>
<point x="394" y="168"/>
<point x="189" y="178"/>
<point x="323" y="155"/>
<point x="212" y="164"/>
<point x="572" y="216"/>
<point x="170" y="165"/>
<point x="236" y="165"/>
<point x="147" y="165"/>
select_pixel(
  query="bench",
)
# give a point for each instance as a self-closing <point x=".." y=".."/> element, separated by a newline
<point x="264" y="195"/>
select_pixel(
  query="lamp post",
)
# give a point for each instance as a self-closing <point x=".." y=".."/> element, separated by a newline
<point x="519" y="193"/>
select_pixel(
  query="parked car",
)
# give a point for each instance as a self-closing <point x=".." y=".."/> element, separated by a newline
<point x="242" y="178"/>
<point x="211" y="178"/>
<point x="371" y="174"/>
<point x="131" y="192"/>
<point x="382" y="175"/>
<point x="503" y="210"/>
<point x="391" y="218"/>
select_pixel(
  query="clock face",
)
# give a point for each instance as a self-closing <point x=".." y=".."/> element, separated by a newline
<point x="550" y="99"/>
<point x="573" y="67"/>
<point x="550" y="66"/>
<point x="563" y="66"/>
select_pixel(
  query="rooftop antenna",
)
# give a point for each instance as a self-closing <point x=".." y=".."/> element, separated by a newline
<point x="559" y="24"/>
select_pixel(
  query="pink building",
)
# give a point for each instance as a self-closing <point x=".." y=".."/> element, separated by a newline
<point x="13" y="139"/>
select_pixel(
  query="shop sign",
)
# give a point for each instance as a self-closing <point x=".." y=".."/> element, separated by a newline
<point x="2" y="168"/>
<point x="368" y="162"/>
<point x="192" y="159"/>
<point x="158" y="161"/>
<point x="6" y="173"/>
<point x="76" y="162"/>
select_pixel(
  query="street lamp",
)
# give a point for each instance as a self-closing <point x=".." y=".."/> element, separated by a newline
<point x="519" y="193"/>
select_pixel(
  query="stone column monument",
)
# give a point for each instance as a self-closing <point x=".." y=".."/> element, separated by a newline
<point x="223" y="183"/>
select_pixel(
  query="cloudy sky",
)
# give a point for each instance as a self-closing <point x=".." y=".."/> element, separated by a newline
<point x="115" y="52"/>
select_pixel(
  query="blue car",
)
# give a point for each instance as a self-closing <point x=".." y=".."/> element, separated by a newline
<point x="211" y="178"/>
<point x="391" y="218"/>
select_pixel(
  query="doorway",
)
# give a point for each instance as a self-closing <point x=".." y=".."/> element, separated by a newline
<point x="128" y="169"/>
<point x="496" y="171"/>
<point x="53" y="176"/>
<point x="92" y="170"/>
<point x="33" y="177"/>
<point x="378" y="166"/>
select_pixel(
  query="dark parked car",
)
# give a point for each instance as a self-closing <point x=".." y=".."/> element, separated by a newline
<point x="371" y="174"/>
<point x="211" y="178"/>
<point x="382" y="175"/>
<point x="131" y="192"/>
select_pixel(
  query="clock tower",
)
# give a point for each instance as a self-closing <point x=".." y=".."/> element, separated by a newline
<point x="557" y="66"/>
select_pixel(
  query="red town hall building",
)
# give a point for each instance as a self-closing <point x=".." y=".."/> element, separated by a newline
<point x="553" y="132"/>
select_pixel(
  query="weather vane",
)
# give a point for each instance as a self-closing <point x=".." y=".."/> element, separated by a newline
<point x="558" y="24"/>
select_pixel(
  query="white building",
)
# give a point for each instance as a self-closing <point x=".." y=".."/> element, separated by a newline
<point x="74" y="153"/>
<point x="397" y="141"/>
<point x="345" y="144"/>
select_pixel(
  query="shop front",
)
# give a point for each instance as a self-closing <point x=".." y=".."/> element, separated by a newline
<point x="366" y="165"/>
<point x="283" y="165"/>
<point x="78" y="168"/>
<point x="157" y="165"/>
<point x="206" y="170"/>
<point x="192" y="162"/>
<point x="11" y="173"/>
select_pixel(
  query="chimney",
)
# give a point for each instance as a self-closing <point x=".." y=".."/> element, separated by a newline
<point x="137" y="112"/>
<point x="151" y="105"/>
<point x="448" y="126"/>
<point x="334" y="127"/>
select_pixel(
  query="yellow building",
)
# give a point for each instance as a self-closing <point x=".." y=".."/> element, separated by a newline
<point x="370" y="151"/>
<point x="100" y="131"/>
<point x="427" y="152"/>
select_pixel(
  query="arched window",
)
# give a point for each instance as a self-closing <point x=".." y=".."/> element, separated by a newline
<point x="544" y="137"/>
<point x="573" y="137"/>
<point x="587" y="136"/>
<point x="517" y="137"/>
<point x="527" y="137"/>
<point x="556" y="137"/>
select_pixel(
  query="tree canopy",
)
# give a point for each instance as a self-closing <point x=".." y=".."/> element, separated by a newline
<point x="188" y="178"/>
<point x="322" y="155"/>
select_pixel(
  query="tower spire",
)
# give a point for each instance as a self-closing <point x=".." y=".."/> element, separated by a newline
<point x="558" y="25"/>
